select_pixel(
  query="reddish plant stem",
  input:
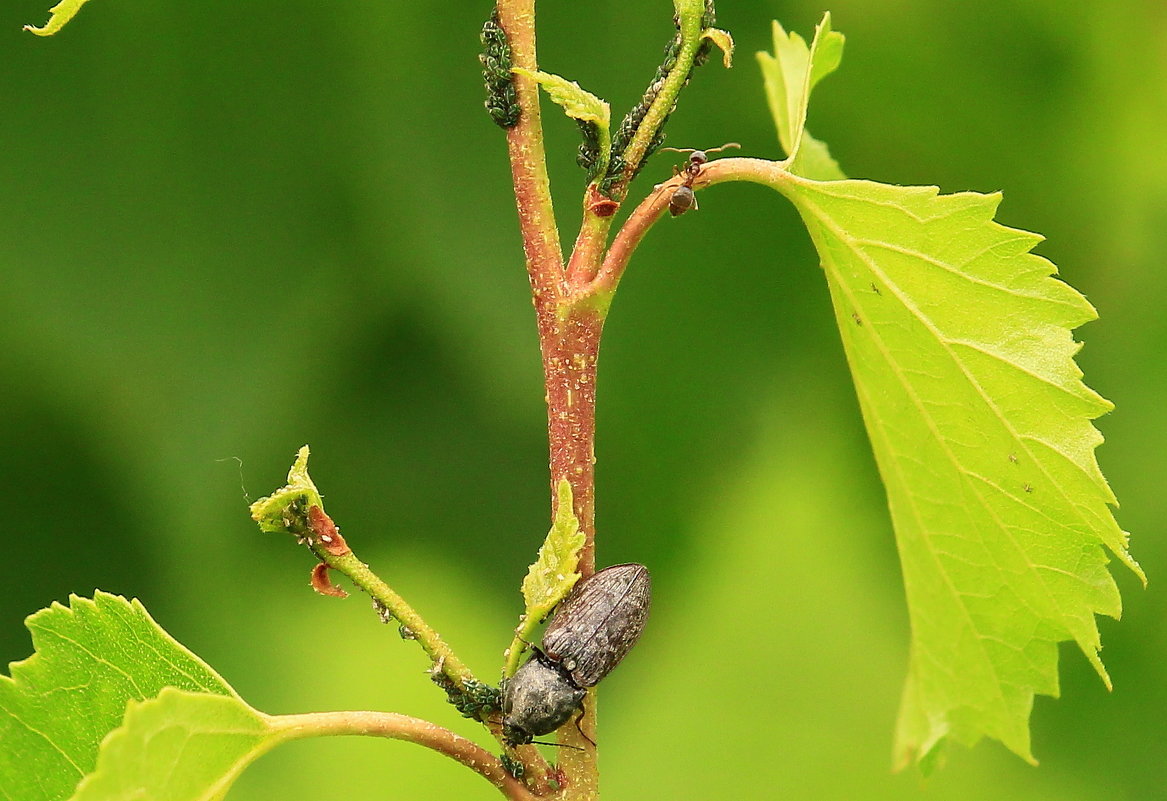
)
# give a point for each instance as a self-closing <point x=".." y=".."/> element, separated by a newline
<point x="571" y="409"/>
<point x="571" y="304"/>
<point x="635" y="227"/>
<point x="644" y="216"/>
<point x="569" y="333"/>
<point x="404" y="727"/>
<point x="588" y="249"/>
<point x="528" y="158"/>
<point x="570" y="339"/>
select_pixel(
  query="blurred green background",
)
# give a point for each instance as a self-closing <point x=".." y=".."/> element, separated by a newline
<point x="227" y="229"/>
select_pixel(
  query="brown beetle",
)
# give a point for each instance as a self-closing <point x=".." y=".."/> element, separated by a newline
<point x="592" y="630"/>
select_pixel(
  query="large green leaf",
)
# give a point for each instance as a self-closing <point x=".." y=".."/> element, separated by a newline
<point x="959" y="343"/>
<point x="180" y="746"/>
<point x="92" y="658"/>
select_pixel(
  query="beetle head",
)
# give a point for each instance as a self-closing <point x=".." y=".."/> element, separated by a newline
<point x="539" y="699"/>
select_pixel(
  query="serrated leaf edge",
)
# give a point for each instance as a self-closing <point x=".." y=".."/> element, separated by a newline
<point x="1088" y="643"/>
<point x="576" y="102"/>
<point x="548" y="570"/>
<point x="59" y="15"/>
<point x="271" y="738"/>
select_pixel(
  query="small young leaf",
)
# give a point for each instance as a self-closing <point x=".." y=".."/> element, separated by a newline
<point x="724" y="43"/>
<point x="577" y="102"/>
<point x="553" y="574"/>
<point x="180" y="746"/>
<point x="272" y="512"/>
<point x="959" y="342"/>
<point x="790" y="75"/>
<point x="61" y="13"/>
<point x="91" y="659"/>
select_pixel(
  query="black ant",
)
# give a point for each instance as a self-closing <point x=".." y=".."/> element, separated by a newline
<point x="683" y="197"/>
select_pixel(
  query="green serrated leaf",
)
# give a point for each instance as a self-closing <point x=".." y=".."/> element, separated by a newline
<point x="551" y="577"/>
<point x="724" y="43"/>
<point x="91" y="659"/>
<point x="180" y="746"/>
<point x="553" y="574"/>
<point x="577" y="102"/>
<point x="61" y="13"/>
<point x="959" y="342"/>
<point x="790" y="74"/>
<point x="272" y="512"/>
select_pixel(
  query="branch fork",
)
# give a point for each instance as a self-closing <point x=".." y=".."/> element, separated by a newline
<point x="571" y="297"/>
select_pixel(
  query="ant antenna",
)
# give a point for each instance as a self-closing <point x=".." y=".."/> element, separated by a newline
<point x="726" y="146"/>
<point x="683" y="199"/>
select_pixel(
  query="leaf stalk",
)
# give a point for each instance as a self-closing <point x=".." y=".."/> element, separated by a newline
<point x="409" y="729"/>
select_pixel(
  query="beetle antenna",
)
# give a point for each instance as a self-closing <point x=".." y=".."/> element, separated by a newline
<point x="558" y="745"/>
<point x="679" y="149"/>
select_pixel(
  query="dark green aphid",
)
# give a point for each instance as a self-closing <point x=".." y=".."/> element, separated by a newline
<point x="631" y="122"/>
<point x="502" y="100"/>
<point x="589" y="149"/>
<point x="475" y="699"/>
<point x="617" y="165"/>
<point x="512" y="766"/>
<point x="592" y="630"/>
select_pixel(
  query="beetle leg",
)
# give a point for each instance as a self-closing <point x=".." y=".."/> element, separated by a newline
<point x="583" y="710"/>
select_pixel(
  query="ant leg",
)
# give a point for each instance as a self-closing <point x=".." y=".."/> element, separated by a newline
<point x="663" y="186"/>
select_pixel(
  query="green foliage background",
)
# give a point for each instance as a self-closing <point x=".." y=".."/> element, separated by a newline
<point x="229" y="229"/>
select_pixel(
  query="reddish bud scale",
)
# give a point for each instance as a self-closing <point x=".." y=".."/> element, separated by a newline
<point x="322" y="583"/>
<point x="325" y="532"/>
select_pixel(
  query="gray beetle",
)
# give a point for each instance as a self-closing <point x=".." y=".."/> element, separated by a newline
<point x="592" y="630"/>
